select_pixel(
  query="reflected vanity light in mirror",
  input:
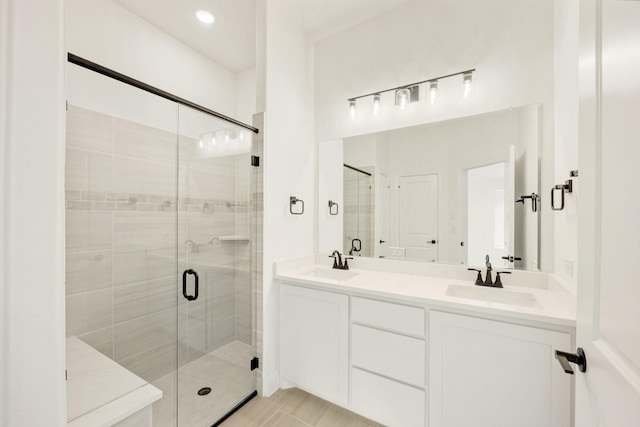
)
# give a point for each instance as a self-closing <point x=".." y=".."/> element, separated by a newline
<point x="352" y="108"/>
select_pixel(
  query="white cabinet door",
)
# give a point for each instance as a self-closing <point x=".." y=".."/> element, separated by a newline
<point x="484" y="373"/>
<point x="314" y="341"/>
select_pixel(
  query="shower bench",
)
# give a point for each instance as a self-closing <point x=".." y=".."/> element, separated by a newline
<point x="100" y="392"/>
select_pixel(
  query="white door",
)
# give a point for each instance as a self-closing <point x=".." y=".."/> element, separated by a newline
<point x="486" y="214"/>
<point x="383" y="212"/>
<point x="418" y="215"/>
<point x="608" y="393"/>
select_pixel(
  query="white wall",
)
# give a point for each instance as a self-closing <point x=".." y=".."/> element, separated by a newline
<point x="566" y="137"/>
<point x="32" y="387"/>
<point x="360" y="151"/>
<point x="330" y="187"/>
<point x="509" y="43"/>
<point x="104" y="32"/>
<point x="245" y="95"/>
<point x="289" y="164"/>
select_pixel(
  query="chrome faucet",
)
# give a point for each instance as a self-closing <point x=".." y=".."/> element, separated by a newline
<point x="337" y="261"/>
<point x="488" y="281"/>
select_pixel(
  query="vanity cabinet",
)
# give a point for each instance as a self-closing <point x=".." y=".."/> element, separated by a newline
<point x="418" y="365"/>
<point x="314" y="341"/>
<point x="488" y="373"/>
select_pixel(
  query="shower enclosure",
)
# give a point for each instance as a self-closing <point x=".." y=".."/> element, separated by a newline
<point x="358" y="212"/>
<point x="158" y="244"/>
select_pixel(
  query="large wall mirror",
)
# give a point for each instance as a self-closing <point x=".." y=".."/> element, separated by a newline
<point x="450" y="192"/>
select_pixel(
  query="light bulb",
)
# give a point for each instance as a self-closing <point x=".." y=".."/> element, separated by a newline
<point x="402" y="97"/>
<point x="433" y="92"/>
<point x="466" y="80"/>
<point x="352" y="108"/>
<point x="376" y="104"/>
<point x="205" y="17"/>
<point x="200" y="143"/>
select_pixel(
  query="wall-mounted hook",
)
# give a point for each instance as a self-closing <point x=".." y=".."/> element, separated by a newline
<point x="331" y="205"/>
<point x="293" y="200"/>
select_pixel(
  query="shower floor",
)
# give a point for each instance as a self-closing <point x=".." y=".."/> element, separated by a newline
<point x="225" y="370"/>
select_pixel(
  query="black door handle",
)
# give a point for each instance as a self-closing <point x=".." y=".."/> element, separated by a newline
<point x="433" y="242"/>
<point x="383" y="241"/>
<point x="184" y="285"/>
<point x="579" y="358"/>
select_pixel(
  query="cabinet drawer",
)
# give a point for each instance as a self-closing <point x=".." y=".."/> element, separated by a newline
<point x="392" y="355"/>
<point x="386" y="315"/>
<point x="386" y="401"/>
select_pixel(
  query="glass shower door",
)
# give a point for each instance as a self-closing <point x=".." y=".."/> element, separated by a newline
<point x="215" y="310"/>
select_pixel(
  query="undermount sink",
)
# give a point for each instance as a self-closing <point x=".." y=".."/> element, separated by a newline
<point x="497" y="295"/>
<point x="331" y="274"/>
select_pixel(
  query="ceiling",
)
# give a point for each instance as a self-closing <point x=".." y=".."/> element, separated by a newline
<point x="231" y="40"/>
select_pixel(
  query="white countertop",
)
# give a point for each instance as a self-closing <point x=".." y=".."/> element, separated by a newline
<point x="553" y="304"/>
<point x="100" y="392"/>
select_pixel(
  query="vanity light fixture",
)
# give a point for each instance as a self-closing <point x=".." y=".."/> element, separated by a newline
<point x="205" y="16"/>
<point x="410" y="93"/>
<point x="352" y="108"/>
<point x="376" y="104"/>
<point x="433" y="91"/>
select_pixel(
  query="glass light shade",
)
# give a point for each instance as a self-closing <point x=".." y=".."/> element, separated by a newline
<point x="402" y="97"/>
<point x="376" y="104"/>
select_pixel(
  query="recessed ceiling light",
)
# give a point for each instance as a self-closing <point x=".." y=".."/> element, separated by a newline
<point x="205" y="16"/>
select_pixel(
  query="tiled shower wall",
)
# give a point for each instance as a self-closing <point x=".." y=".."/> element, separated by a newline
<point x="359" y="207"/>
<point x="123" y="223"/>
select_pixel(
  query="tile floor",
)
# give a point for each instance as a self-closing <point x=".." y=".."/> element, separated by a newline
<point x="294" y="408"/>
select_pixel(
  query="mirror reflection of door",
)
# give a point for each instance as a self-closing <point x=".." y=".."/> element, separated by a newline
<point x="358" y="212"/>
<point x="487" y="225"/>
<point x="418" y="217"/>
<point x="383" y="223"/>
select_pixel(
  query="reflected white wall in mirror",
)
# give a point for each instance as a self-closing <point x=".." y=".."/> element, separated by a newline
<point x="431" y="196"/>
